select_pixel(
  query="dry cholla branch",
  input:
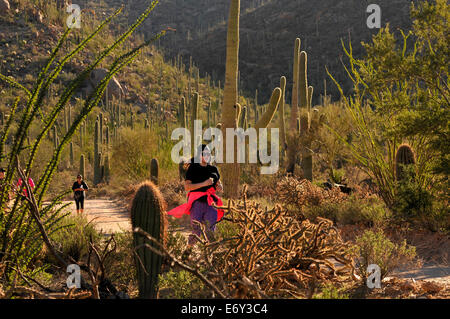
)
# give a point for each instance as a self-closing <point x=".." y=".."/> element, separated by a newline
<point x="300" y="193"/>
<point x="274" y="255"/>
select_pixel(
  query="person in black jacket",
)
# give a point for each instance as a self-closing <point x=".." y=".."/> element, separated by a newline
<point x="79" y="187"/>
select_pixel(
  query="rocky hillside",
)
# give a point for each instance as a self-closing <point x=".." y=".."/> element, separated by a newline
<point x="268" y="32"/>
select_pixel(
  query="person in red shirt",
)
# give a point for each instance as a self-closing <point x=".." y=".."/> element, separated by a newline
<point x="24" y="190"/>
<point x="202" y="182"/>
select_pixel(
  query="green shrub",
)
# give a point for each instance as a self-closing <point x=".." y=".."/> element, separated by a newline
<point x="179" y="285"/>
<point x="375" y="248"/>
<point x="119" y="266"/>
<point x="330" y="292"/>
<point x="226" y="229"/>
<point x="176" y="243"/>
<point x="73" y="239"/>
<point x="368" y="211"/>
<point x="412" y="200"/>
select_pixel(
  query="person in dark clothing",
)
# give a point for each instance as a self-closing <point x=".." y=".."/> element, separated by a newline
<point x="79" y="187"/>
<point x="201" y="176"/>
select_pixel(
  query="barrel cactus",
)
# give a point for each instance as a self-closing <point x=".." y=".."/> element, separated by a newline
<point x="148" y="213"/>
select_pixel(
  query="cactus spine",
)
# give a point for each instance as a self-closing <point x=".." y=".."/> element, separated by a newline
<point x="148" y="213"/>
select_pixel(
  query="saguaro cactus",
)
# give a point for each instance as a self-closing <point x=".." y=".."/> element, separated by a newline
<point x="194" y="116"/>
<point x="106" y="170"/>
<point x="292" y="142"/>
<point x="231" y="171"/>
<point x="182" y="113"/>
<point x="154" y="171"/>
<point x="405" y="156"/>
<point x="97" y="172"/>
<point x="71" y="160"/>
<point x="82" y="170"/>
<point x="148" y="213"/>
<point x="282" y="122"/>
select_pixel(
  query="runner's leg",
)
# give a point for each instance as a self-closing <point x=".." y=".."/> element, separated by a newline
<point x="197" y="214"/>
<point x="82" y="205"/>
<point x="211" y="218"/>
<point x="78" y="205"/>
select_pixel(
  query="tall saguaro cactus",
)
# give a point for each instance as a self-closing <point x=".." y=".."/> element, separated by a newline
<point x="82" y="170"/>
<point x="182" y="113"/>
<point x="148" y="213"/>
<point x="292" y="138"/>
<point x="97" y="169"/>
<point x="194" y="116"/>
<point x="231" y="171"/>
<point x="282" y="122"/>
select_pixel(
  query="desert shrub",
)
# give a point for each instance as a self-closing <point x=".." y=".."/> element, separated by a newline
<point x="73" y="238"/>
<point x="412" y="200"/>
<point x="373" y="247"/>
<point x="119" y="266"/>
<point x="131" y="155"/>
<point x="368" y="211"/>
<point x="176" y="243"/>
<point x="179" y="285"/>
<point x="308" y="200"/>
<point x="226" y="229"/>
<point x="297" y="194"/>
<point x="330" y="292"/>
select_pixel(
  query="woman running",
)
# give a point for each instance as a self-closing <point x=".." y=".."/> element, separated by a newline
<point x="202" y="181"/>
<point x="79" y="187"/>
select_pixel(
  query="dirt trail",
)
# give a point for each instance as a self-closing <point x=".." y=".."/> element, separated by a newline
<point x="107" y="215"/>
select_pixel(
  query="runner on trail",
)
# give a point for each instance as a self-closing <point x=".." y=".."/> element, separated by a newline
<point x="79" y="187"/>
<point x="202" y="181"/>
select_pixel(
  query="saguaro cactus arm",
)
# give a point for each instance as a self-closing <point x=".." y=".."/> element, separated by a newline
<point x="267" y="117"/>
